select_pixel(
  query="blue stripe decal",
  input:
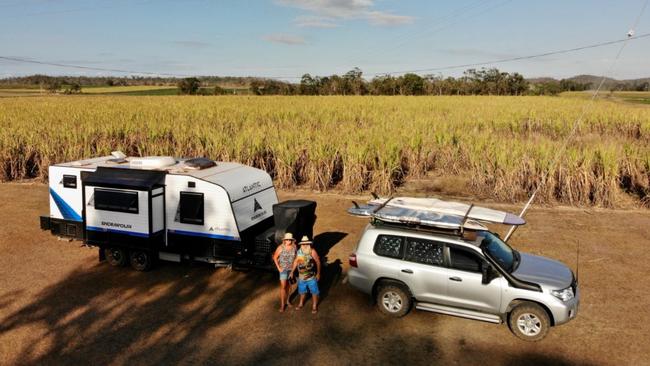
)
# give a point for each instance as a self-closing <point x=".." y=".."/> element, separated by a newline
<point x="94" y="228"/>
<point x="205" y="235"/>
<point x="67" y="211"/>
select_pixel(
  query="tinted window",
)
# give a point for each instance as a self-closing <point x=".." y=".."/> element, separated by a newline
<point x="464" y="260"/>
<point x="389" y="246"/>
<point x="70" y="181"/>
<point x="119" y="201"/>
<point x="498" y="250"/>
<point x="191" y="208"/>
<point x="423" y="251"/>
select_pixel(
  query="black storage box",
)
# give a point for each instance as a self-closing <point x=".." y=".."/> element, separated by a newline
<point x="294" y="216"/>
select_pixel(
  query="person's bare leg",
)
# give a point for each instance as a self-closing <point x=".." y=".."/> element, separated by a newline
<point x="314" y="306"/>
<point x="288" y="294"/>
<point x="283" y="295"/>
<point x="301" y="303"/>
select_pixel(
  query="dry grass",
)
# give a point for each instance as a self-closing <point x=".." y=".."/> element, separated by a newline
<point x="503" y="144"/>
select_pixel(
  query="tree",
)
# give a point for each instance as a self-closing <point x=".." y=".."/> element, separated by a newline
<point x="219" y="90"/>
<point x="308" y="85"/>
<point x="73" y="88"/>
<point x="53" y="86"/>
<point x="354" y="83"/>
<point x="411" y="84"/>
<point x="189" y="85"/>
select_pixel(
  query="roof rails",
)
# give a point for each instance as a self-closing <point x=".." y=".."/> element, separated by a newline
<point x="432" y="213"/>
<point x="415" y="227"/>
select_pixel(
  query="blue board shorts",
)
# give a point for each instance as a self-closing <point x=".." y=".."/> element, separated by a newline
<point x="284" y="275"/>
<point x="311" y="285"/>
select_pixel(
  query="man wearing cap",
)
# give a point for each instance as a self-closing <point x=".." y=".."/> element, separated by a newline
<point x="284" y="257"/>
<point x="308" y="264"/>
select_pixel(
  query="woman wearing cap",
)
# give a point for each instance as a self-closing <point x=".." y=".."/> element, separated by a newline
<point x="284" y="257"/>
<point x="308" y="278"/>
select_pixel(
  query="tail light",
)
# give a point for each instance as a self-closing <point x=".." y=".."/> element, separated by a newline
<point x="353" y="260"/>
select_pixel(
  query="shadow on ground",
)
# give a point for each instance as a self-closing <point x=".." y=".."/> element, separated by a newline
<point x="198" y="315"/>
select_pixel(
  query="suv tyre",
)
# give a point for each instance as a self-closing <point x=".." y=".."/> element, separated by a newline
<point x="394" y="300"/>
<point x="529" y="322"/>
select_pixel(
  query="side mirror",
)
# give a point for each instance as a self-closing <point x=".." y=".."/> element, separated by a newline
<point x="488" y="273"/>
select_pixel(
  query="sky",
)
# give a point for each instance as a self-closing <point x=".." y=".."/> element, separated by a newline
<point x="287" y="38"/>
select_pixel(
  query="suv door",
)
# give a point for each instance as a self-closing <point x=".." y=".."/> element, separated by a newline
<point x="423" y="270"/>
<point x="465" y="288"/>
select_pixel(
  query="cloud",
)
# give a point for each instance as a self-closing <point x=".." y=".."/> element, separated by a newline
<point x="382" y="18"/>
<point x="191" y="44"/>
<point x="332" y="8"/>
<point x="326" y="13"/>
<point x="288" y="39"/>
<point x="313" y="21"/>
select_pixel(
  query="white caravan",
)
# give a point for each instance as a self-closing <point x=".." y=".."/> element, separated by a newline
<point x="141" y="208"/>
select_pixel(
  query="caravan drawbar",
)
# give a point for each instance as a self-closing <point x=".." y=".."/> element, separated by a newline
<point x="140" y="209"/>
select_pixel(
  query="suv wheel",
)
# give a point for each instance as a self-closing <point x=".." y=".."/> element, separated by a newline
<point x="529" y="322"/>
<point x="393" y="300"/>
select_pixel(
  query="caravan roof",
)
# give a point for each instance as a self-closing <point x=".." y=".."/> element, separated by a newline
<point x="237" y="179"/>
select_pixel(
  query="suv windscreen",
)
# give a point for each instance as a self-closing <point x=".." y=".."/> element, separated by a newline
<point x="501" y="252"/>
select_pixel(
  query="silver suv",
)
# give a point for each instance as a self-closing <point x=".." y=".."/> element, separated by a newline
<point x="475" y="275"/>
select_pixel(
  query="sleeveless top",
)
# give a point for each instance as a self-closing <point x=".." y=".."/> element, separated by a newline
<point x="307" y="266"/>
<point x="287" y="255"/>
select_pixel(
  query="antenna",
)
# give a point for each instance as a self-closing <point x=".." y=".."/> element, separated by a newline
<point x="577" y="260"/>
<point x="562" y="149"/>
<point x="462" y="223"/>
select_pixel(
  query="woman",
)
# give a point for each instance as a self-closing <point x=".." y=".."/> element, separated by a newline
<point x="284" y="257"/>
<point x="306" y="260"/>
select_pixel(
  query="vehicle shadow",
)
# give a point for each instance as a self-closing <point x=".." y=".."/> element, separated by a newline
<point x="96" y="313"/>
<point x="197" y="315"/>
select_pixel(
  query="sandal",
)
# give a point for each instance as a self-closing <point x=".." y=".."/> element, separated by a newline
<point x="299" y="307"/>
<point x="314" y="310"/>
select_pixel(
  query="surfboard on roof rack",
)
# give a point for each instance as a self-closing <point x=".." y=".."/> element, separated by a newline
<point x="433" y="212"/>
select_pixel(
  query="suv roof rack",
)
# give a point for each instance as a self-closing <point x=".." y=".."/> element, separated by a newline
<point x="457" y="232"/>
<point x="432" y="213"/>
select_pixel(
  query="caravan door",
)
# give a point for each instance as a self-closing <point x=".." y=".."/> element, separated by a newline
<point x="124" y="208"/>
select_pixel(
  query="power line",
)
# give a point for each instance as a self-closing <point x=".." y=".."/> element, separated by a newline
<point x="441" y="68"/>
<point x="587" y="106"/>
<point x="519" y="58"/>
<point x="81" y="67"/>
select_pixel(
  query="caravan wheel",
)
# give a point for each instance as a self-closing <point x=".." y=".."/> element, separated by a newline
<point x="115" y="256"/>
<point x="141" y="260"/>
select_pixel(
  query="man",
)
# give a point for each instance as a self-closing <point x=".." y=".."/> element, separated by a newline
<point x="308" y="264"/>
<point x="284" y="256"/>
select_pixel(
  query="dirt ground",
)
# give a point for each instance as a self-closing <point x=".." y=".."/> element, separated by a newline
<point x="59" y="305"/>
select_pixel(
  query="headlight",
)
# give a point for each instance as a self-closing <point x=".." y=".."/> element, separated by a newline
<point x="564" y="295"/>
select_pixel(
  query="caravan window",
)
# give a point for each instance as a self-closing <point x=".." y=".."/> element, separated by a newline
<point x="191" y="208"/>
<point x="70" y="181"/>
<point x="114" y="200"/>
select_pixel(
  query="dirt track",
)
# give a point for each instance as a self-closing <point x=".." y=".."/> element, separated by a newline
<point x="58" y="305"/>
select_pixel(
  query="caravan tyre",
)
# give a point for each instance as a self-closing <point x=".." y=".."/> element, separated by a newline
<point x="116" y="256"/>
<point x="141" y="260"/>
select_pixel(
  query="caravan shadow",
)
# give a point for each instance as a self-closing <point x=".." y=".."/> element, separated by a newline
<point x="161" y="316"/>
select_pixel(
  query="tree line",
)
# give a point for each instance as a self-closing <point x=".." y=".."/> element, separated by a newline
<point x="490" y="81"/>
<point x="472" y="82"/>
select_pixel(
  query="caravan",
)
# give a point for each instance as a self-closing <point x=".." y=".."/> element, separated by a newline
<point x="140" y="209"/>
